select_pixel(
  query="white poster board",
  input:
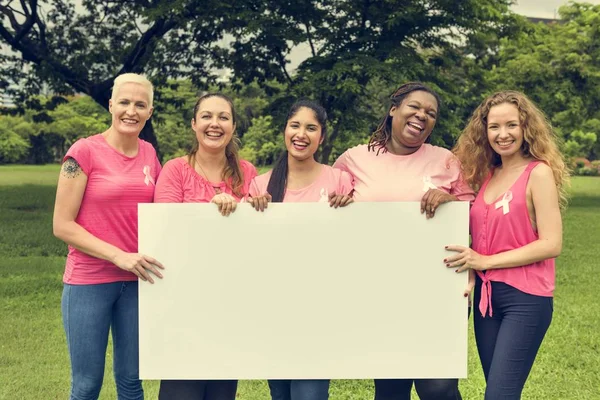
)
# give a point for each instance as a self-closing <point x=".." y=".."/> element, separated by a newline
<point x="303" y="291"/>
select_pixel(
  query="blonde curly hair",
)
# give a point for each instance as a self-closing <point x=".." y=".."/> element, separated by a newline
<point x="539" y="142"/>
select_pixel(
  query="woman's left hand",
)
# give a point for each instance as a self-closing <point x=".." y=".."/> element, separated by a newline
<point x="226" y="203"/>
<point x="433" y="199"/>
<point x="466" y="258"/>
<point x="339" y="200"/>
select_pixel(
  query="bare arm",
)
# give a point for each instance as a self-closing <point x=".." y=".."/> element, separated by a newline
<point x="69" y="193"/>
<point x="549" y="244"/>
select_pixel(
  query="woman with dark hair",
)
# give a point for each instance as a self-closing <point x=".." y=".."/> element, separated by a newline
<point x="397" y="165"/>
<point x="298" y="177"/>
<point x="211" y="172"/>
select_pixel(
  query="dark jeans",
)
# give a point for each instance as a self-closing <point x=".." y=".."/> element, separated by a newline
<point x="509" y="341"/>
<point x="197" y="390"/>
<point x="299" y="389"/>
<point x="427" y="389"/>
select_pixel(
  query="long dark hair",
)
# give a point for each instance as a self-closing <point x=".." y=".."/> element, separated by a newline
<point x="278" y="181"/>
<point x="232" y="168"/>
<point x="383" y="133"/>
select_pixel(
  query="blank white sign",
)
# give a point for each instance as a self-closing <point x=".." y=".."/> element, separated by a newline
<point x="303" y="291"/>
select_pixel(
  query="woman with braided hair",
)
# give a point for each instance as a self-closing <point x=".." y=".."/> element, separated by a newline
<point x="397" y="165"/>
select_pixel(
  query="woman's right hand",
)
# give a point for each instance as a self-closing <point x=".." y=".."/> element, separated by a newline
<point x="260" y="203"/>
<point x="139" y="264"/>
<point x="226" y="203"/>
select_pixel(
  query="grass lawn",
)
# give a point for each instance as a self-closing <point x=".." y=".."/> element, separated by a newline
<point x="34" y="362"/>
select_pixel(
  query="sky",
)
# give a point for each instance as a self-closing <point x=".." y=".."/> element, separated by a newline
<point x="542" y="8"/>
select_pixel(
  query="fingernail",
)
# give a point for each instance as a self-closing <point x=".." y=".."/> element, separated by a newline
<point x="447" y="265"/>
<point x="445" y="260"/>
<point x="466" y="294"/>
<point x="445" y="247"/>
<point x="455" y="270"/>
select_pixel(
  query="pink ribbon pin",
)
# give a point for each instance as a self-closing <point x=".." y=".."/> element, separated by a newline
<point x="324" y="196"/>
<point x="427" y="184"/>
<point x="504" y="202"/>
<point x="148" y="178"/>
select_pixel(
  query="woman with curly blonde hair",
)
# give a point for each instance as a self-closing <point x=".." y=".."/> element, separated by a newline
<point x="510" y="154"/>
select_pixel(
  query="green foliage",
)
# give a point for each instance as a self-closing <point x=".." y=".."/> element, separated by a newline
<point x="586" y="171"/>
<point x="579" y="144"/>
<point x="556" y="65"/>
<point x="262" y="144"/>
<point x="13" y="148"/>
<point x="353" y="44"/>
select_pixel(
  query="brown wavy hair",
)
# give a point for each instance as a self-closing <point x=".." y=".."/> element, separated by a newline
<point x="232" y="168"/>
<point x="539" y="142"/>
<point x="382" y="135"/>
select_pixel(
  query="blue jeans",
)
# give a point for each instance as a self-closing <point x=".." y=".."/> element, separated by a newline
<point x="89" y="312"/>
<point x="197" y="390"/>
<point x="299" y="389"/>
<point x="427" y="389"/>
<point x="509" y="341"/>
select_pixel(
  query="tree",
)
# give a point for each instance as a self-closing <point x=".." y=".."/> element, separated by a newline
<point x="355" y="47"/>
<point x="54" y="48"/>
<point x="557" y="66"/>
<point x="13" y="148"/>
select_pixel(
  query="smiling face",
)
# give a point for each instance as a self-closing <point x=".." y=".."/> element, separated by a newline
<point x="412" y="122"/>
<point x="303" y="134"/>
<point x="213" y="124"/>
<point x="504" y="131"/>
<point x="130" y="108"/>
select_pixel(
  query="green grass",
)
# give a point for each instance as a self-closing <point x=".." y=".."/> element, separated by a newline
<point x="34" y="362"/>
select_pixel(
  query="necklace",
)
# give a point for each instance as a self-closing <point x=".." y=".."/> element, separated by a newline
<point x="217" y="188"/>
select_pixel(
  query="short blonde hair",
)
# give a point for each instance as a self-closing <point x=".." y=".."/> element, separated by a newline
<point x="133" y="78"/>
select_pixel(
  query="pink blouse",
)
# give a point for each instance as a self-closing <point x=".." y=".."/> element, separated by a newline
<point x="180" y="183"/>
<point x="505" y="225"/>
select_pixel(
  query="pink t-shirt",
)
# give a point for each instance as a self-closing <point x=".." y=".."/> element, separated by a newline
<point x="505" y="225"/>
<point x="330" y="180"/>
<point x="180" y="183"/>
<point x="109" y="208"/>
<point x="390" y="177"/>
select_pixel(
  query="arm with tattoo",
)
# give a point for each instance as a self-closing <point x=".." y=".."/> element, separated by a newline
<point x="72" y="183"/>
<point x="70" y="169"/>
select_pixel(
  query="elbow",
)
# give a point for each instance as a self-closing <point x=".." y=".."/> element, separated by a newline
<point x="58" y="230"/>
<point x="555" y="249"/>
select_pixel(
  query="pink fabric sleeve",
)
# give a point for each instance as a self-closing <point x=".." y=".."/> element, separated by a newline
<point x="459" y="187"/>
<point x="345" y="184"/>
<point x="342" y="162"/>
<point x="250" y="173"/>
<point x="254" y="191"/>
<point x="249" y="170"/>
<point x="169" y="187"/>
<point x="80" y="152"/>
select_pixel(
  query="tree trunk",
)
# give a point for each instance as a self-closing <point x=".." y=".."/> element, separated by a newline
<point x="101" y="94"/>
<point x="148" y="135"/>
<point x="327" y="146"/>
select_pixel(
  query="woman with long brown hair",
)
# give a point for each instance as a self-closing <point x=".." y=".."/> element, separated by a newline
<point x="211" y="172"/>
<point x="510" y="154"/>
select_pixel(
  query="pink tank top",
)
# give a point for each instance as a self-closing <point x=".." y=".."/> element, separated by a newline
<point x="504" y="225"/>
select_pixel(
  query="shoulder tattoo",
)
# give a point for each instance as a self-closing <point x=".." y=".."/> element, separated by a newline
<point x="70" y="169"/>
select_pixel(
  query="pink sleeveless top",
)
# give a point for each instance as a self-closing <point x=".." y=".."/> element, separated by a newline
<point x="504" y="225"/>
